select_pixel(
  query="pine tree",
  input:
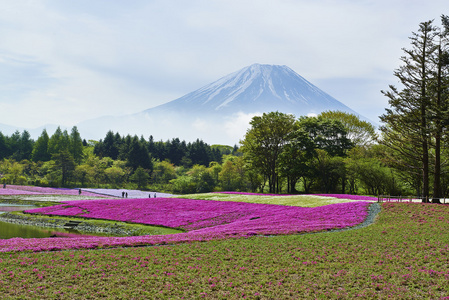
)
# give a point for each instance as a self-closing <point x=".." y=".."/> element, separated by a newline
<point x="414" y="122"/>
<point x="40" y="149"/>
<point x="76" y="145"/>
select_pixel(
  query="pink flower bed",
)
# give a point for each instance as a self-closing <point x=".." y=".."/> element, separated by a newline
<point x="37" y="190"/>
<point x="252" y="194"/>
<point x="339" y="196"/>
<point x="203" y="219"/>
<point x="12" y="192"/>
<point x="350" y="197"/>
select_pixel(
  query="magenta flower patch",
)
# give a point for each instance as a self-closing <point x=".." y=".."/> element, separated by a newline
<point x="202" y="219"/>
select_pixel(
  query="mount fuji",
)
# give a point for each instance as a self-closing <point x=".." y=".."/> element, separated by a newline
<point x="219" y="113"/>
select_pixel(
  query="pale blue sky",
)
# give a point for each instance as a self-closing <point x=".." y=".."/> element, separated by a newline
<point x="62" y="62"/>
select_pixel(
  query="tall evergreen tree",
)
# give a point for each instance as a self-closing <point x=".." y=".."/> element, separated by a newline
<point x="4" y="149"/>
<point x="138" y="155"/>
<point x="414" y="111"/>
<point x="439" y="87"/>
<point x="76" y="145"/>
<point x="58" y="142"/>
<point x="64" y="164"/>
<point x="40" y="149"/>
<point x="110" y="146"/>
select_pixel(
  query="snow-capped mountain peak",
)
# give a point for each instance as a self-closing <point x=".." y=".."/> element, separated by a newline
<point x="220" y="112"/>
<point x="259" y="88"/>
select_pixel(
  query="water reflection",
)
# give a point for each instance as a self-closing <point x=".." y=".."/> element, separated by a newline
<point x="8" y="230"/>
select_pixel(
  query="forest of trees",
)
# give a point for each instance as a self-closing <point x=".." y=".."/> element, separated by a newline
<point x="335" y="152"/>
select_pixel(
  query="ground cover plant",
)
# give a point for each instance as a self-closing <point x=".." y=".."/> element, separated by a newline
<point x="403" y="255"/>
<point x="289" y="200"/>
<point x="202" y="219"/>
<point x="36" y="190"/>
<point x="130" y="193"/>
<point x="105" y="227"/>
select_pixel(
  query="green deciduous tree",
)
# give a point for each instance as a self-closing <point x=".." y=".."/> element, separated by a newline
<point x="232" y="174"/>
<point x="327" y="134"/>
<point x="264" y="142"/>
<point x="163" y="172"/>
<point x="140" y="177"/>
<point x="295" y="158"/>
<point x="361" y="133"/>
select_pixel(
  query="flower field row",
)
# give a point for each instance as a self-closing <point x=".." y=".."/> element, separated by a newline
<point x="36" y="190"/>
<point x="131" y="193"/>
<point x="338" y="196"/>
<point x="349" y="197"/>
<point x="204" y="220"/>
<point x="198" y="214"/>
<point x="252" y="194"/>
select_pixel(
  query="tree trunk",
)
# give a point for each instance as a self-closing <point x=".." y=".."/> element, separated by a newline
<point x="438" y="131"/>
<point x="423" y="105"/>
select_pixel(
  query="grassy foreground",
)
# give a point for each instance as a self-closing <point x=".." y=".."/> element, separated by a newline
<point x="404" y="255"/>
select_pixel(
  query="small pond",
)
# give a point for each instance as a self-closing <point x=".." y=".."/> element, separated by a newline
<point x="8" y="230"/>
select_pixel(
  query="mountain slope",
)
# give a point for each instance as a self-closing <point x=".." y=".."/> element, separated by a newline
<point x="257" y="88"/>
<point x="219" y="113"/>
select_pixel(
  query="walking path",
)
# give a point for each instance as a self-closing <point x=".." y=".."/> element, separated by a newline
<point x="373" y="210"/>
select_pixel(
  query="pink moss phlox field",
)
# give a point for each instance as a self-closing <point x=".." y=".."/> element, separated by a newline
<point x="36" y="190"/>
<point x="252" y="194"/>
<point x="349" y="197"/>
<point x="339" y="196"/>
<point x="12" y="192"/>
<point x="203" y="219"/>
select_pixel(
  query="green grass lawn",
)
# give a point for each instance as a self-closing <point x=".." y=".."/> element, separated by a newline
<point x="295" y="200"/>
<point x="403" y="255"/>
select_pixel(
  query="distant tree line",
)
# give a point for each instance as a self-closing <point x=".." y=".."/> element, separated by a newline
<point x="334" y="152"/>
<point x="64" y="159"/>
<point x="139" y="151"/>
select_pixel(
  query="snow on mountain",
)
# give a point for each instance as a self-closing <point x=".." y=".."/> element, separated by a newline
<point x="257" y="88"/>
<point x="219" y="113"/>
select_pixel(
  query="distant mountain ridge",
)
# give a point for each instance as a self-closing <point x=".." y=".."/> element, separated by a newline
<point x="34" y="132"/>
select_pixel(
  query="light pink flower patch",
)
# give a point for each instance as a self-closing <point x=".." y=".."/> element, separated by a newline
<point x="350" y="197"/>
<point x="37" y="190"/>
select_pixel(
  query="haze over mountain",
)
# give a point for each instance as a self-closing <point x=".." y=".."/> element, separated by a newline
<point x="257" y="88"/>
<point x="219" y="113"/>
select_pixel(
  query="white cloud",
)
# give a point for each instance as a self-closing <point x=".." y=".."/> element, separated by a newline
<point x="67" y="61"/>
<point x="235" y="127"/>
